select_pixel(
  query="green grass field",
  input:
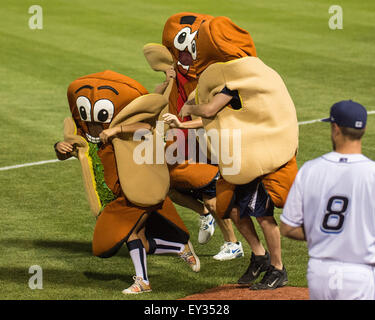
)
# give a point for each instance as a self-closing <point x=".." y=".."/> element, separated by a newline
<point x="44" y="216"/>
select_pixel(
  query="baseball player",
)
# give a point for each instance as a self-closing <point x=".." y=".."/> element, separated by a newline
<point x="331" y="205"/>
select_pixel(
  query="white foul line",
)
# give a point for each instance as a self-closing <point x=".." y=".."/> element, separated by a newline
<point x="30" y="164"/>
<point x="56" y="160"/>
<point x="318" y="120"/>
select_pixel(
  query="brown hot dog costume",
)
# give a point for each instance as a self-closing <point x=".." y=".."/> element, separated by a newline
<point x="179" y="51"/>
<point x="119" y="190"/>
<point x="278" y="173"/>
<point x="267" y="116"/>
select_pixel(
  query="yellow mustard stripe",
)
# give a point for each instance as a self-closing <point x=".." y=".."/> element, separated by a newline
<point x="93" y="176"/>
<point x="75" y="127"/>
<point x="232" y="61"/>
<point x="87" y="155"/>
<point x="153" y="44"/>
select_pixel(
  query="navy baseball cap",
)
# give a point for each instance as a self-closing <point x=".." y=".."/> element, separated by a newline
<point x="348" y="113"/>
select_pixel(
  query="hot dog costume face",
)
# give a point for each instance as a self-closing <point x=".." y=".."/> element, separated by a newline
<point x="119" y="190"/>
<point x="179" y="50"/>
<point x="179" y="38"/>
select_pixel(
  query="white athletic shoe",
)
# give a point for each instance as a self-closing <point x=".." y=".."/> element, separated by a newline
<point x="206" y="228"/>
<point x="189" y="256"/>
<point x="229" y="251"/>
<point x="139" y="286"/>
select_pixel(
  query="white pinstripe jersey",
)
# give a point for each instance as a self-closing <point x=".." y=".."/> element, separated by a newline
<point x="333" y="196"/>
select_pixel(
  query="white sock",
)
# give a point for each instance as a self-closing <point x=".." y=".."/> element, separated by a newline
<point x="138" y="255"/>
<point x="163" y="246"/>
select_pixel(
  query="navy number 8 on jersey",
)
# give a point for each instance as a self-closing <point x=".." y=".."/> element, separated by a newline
<point x="333" y="220"/>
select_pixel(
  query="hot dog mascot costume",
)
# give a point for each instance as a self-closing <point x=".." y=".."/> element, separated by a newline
<point x="265" y="115"/>
<point x="177" y="50"/>
<point x="250" y="119"/>
<point x="129" y="199"/>
<point x="192" y="179"/>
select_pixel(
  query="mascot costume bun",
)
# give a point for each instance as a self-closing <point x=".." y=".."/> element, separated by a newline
<point x="179" y="50"/>
<point x="226" y="58"/>
<point x="120" y="191"/>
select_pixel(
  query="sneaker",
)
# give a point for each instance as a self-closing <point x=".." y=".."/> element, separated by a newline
<point x="206" y="228"/>
<point x="272" y="279"/>
<point x="139" y="286"/>
<point x="189" y="256"/>
<point x="258" y="264"/>
<point x="229" y="251"/>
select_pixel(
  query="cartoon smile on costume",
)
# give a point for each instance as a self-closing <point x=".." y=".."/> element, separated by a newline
<point x="183" y="41"/>
<point x="178" y="36"/>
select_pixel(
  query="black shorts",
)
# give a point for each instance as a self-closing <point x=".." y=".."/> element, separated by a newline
<point x="253" y="200"/>
<point x="209" y="191"/>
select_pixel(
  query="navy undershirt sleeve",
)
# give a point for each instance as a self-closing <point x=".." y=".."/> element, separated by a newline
<point x="235" y="102"/>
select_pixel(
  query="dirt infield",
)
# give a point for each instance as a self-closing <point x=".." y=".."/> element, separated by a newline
<point x="236" y="292"/>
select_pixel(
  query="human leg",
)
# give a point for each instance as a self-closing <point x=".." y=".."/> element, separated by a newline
<point x="263" y="209"/>
<point x="246" y="227"/>
<point x="163" y="238"/>
<point x="231" y="248"/>
<point x="225" y="225"/>
<point x="276" y="275"/>
<point x="138" y="255"/>
<point x="259" y="260"/>
<point x="271" y="233"/>
<point x="207" y="221"/>
<point x="187" y="201"/>
<point x="184" y="251"/>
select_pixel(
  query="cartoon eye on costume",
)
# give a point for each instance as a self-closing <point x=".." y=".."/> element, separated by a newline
<point x="84" y="108"/>
<point x="192" y="47"/>
<point x="103" y="111"/>
<point x="184" y="38"/>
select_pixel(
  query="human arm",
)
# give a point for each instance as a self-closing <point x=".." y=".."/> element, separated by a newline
<point x="174" y="122"/>
<point x="131" y="128"/>
<point x="292" y="221"/>
<point x="63" y="150"/>
<point x="207" y="110"/>
<point x="169" y="74"/>
<point x="296" y="233"/>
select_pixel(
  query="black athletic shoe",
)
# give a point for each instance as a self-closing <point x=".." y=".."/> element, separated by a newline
<point x="258" y="264"/>
<point x="272" y="279"/>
